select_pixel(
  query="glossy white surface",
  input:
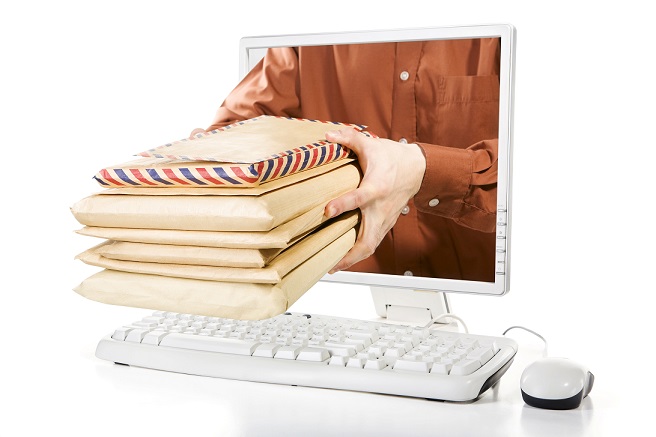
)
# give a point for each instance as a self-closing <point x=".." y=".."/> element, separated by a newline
<point x="105" y="81"/>
<point x="554" y="378"/>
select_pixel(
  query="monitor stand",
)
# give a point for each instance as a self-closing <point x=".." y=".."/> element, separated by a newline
<point x="417" y="307"/>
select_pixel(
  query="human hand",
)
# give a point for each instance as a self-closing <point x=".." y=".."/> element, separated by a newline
<point x="393" y="173"/>
<point x="198" y="130"/>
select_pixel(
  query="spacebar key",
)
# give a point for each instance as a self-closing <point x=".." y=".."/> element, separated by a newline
<point x="210" y="344"/>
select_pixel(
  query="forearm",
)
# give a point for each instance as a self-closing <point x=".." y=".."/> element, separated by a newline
<point x="269" y="88"/>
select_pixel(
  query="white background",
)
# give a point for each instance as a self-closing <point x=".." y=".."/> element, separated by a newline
<point x="87" y="84"/>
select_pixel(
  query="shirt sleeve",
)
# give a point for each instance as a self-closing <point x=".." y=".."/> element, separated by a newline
<point x="270" y="88"/>
<point x="461" y="184"/>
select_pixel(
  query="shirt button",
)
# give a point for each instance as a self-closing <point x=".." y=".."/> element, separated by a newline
<point x="407" y="273"/>
<point x="403" y="141"/>
<point x="433" y="202"/>
<point x="404" y="75"/>
<point x="405" y="210"/>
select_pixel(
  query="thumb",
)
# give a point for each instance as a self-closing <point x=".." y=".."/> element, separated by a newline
<point x="195" y="132"/>
<point x="349" y="138"/>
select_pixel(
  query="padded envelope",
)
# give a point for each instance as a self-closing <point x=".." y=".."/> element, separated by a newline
<point x="272" y="274"/>
<point x="277" y="238"/>
<point x="212" y="298"/>
<point x="216" y="213"/>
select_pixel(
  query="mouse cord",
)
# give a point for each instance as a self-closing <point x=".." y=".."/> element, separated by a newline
<point x="445" y="315"/>
<point x="544" y="353"/>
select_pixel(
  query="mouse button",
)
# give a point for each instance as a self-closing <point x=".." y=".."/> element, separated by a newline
<point x="553" y="378"/>
<point x="591" y="379"/>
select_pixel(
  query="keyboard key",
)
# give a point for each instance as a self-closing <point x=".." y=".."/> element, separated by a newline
<point x="462" y="349"/>
<point x="377" y="350"/>
<point x="299" y="342"/>
<point x="469" y="341"/>
<point x="384" y="342"/>
<point x="412" y="365"/>
<point x="136" y="335"/>
<point x="153" y="319"/>
<point x="313" y="354"/>
<point x="356" y="362"/>
<point x="394" y="352"/>
<point x="288" y="352"/>
<point x="369" y="334"/>
<point x="143" y="324"/>
<point x="395" y="336"/>
<point x="154" y="337"/>
<point x="465" y="367"/>
<point x="482" y="354"/>
<point x="405" y="345"/>
<point x="359" y="343"/>
<point x="412" y="339"/>
<point x="210" y="344"/>
<point x="337" y="360"/>
<point x="422" y="333"/>
<point x="377" y="364"/>
<point x="425" y="347"/>
<point x="440" y="368"/>
<point x="339" y="349"/>
<point x="267" y="350"/>
<point x="385" y="329"/>
<point x="121" y="333"/>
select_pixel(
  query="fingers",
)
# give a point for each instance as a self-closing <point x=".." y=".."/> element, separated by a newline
<point x="363" y="248"/>
<point x="370" y="234"/>
<point x="349" y="138"/>
<point x="195" y="132"/>
<point x="346" y="202"/>
<point x="358" y="252"/>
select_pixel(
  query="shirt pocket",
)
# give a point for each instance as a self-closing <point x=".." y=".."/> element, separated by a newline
<point x="464" y="109"/>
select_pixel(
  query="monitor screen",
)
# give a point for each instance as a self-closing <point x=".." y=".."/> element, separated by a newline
<point x="449" y="90"/>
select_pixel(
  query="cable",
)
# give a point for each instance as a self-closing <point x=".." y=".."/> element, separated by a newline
<point x="444" y="315"/>
<point x="544" y="353"/>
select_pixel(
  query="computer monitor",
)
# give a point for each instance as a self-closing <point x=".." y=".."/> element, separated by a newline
<point x="418" y="298"/>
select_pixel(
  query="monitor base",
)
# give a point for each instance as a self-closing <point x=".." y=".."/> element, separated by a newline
<point x="417" y="307"/>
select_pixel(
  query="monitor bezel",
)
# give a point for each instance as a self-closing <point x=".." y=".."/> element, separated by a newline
<point x="252" y="49"/>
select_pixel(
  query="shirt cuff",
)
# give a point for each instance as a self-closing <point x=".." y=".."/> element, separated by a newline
<point x="446" y="182"/>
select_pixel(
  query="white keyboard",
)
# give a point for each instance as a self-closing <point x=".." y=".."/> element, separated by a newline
<point x="316" y="351"/>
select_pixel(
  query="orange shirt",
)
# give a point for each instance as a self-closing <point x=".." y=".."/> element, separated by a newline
<point x="442" y="95"/>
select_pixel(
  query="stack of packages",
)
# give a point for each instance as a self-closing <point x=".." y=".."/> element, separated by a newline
<point x="230" y="224"/>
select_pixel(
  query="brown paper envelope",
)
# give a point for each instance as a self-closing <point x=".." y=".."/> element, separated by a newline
<point x="224" y="190"/>
<point x="271" y="274"/>
<point x="216" y="213"/>
<point x="278" y="238"/>
<point x="211" y="298"/>
<point x="249" y="142"/>
<point x="245" y="154"/>
<point x="193" y="255"/>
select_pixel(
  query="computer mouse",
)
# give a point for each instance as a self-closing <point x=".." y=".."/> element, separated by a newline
<point x="555" y="384"/>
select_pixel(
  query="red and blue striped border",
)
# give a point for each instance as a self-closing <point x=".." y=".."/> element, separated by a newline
<point x="203" y="174"/>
